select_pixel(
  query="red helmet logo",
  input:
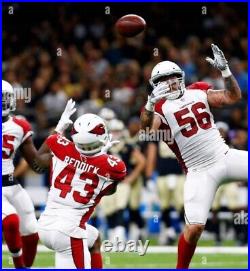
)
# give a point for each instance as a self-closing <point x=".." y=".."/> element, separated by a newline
<point x="73" y="131"/>
<point x="98" y="130"/>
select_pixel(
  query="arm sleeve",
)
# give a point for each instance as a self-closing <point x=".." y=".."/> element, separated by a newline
<point x="25" y="125"/>
<point x="159" y="112"/>
<point x="51" y="142"/>
<point x="118" y="172"/>
<point x="203" y="86"/>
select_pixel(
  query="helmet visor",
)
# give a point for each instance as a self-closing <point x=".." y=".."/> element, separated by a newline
<point x="7" y="100"/>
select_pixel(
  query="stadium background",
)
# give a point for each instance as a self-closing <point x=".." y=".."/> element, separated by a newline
<point x="64" y="51"/>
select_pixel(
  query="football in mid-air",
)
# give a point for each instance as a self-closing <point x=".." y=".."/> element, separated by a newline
<point x="130" y="25"/>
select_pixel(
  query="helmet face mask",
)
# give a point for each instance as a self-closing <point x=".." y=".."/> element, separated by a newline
<point x="90" y="148"/>
<point x="8" y="99"/>
<point x="169" y="73"/>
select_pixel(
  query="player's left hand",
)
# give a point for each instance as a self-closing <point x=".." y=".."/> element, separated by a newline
<point x="109" y="144"/>
<point x="219" y="61"/>
<point x="65" y="120"/>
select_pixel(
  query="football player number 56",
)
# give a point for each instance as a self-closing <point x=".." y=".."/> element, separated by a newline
<point x="200" y="119"/>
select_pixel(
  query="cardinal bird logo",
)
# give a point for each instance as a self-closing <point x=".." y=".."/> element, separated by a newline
<point x="73" y="131"/>
<point x="98" y="130"/>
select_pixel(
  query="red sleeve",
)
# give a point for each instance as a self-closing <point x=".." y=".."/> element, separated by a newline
<point x="51" y="140"/>
<point x="200" y="85"/>
<point x="25" y="125"/>
<point x="159" y="112"/>
<point x="117" y="172"/>
<point x="158" y="107"/>
<point x="58" y="149"/>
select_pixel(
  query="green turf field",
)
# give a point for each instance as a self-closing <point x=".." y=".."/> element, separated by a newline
<point x="159" y="260"/>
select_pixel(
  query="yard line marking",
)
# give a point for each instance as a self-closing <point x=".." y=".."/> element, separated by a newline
<point x="172" y="249"/>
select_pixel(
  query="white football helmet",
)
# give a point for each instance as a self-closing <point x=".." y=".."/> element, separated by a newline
<point x="8" y="99"/>
<point x="89" y="133"/>
<point x="116" y="128"/>
<point x="168" y="68"/>
<point x="107" y="114"/>
<point x="116" y="125"/>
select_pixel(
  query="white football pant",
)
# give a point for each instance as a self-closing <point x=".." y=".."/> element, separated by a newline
<point x="71" y="252"/>
<point x="201" y="184"/>
<point x="15" y="200"/>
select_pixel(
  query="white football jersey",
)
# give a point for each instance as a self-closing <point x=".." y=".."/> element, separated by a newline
<point x="78" y="182"/>
<point x="14" y="132"/>
<point x="195" y="139"/>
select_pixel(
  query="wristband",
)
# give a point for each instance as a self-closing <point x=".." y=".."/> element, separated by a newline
<point x="226" y="73"/>
<point x="150" y="106"/>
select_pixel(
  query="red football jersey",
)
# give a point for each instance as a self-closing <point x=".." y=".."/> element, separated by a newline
<point x="78" y="182"/>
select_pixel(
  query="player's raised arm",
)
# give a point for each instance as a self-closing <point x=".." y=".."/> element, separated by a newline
<point x="148" y="119"/>
<point x="232" y="93"/>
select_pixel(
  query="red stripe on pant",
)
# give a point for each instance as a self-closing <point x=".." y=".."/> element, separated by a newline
<point x="77" y="252"/>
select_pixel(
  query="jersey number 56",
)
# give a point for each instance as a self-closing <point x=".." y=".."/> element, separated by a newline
<point x="200" y="119"/>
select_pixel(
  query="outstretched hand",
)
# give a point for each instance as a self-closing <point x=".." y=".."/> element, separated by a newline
<point x="65" y="120"/>
<point x="219" y="61"/>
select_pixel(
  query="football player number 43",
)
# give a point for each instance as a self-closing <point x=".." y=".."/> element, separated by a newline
<point x="65" y="177"/>
<point x="198" y="118"/>
<point x="63" y="182"/>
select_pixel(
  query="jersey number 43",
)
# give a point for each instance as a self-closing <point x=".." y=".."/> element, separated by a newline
<point x="64" y="180"/>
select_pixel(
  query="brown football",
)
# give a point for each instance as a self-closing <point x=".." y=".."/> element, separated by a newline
<point x="130" y="25"/>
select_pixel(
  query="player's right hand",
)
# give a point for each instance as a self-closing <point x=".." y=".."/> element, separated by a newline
<point x="65" y="120"/>
<point x="159" y="92"/>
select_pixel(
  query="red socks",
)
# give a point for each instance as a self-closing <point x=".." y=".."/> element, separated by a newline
<point x="13" y="239"/>
<point x="16" y="243"/>
<point x="96" y="260"/>
<point x="185" y="253"/>
<point x="29" y="248"/>
<point x="18" y="260"/>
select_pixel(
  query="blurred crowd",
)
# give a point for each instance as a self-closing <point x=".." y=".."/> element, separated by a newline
<point x="73" y="51"/>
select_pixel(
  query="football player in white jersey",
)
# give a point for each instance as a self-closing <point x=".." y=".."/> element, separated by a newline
<point x="18" y="216"/>
<point x="185" y="114"/>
